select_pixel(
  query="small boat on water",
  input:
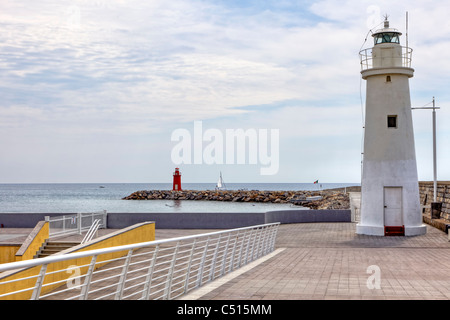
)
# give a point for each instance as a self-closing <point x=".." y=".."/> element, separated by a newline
<point x="220" y="184"/>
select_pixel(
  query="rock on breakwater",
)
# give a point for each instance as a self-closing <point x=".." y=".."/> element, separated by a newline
<point x="330" y="199"/>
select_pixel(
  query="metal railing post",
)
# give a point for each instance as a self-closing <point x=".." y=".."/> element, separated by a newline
<point x="213" y="263"/>
<point x="39" y="282"/>
<point x="87" y="279"/>
<point x="256" y="244"/>
<point x="242" y="248"/>
<point x="188" y="271"/>
<point x="225" y="255"/>
<point x="233" y="252"/>
<point x="260" y="246"/>
<point x="267" y="240"/>
<point x="123" y="276"/>
<point x="250" y="255"/>
<point x="270" y="239"/>
<point x="202" y="264"/>
<point x="79" y="222"/>
<point x="149" y="277"/>
<point x="47" y="219"/>
<point x="168" y="286"/>
<point x="273" y="237"/>
<point x="248" y="247"/>
<point x="105" y="216"/>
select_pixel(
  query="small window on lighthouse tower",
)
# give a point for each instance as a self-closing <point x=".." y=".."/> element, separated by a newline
<point x="392" y="121"/>
<point x="388" y="78"/>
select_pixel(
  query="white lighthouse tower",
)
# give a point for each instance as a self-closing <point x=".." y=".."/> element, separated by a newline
<point x="389" y="187"/>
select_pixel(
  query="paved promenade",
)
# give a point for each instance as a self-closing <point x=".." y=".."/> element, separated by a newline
<point x="324" y="261"/>
<point x="329" y="261"/>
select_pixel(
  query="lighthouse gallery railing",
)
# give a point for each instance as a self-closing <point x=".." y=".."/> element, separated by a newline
<point x="163" y="269"/>
<point x="366" y="58"/>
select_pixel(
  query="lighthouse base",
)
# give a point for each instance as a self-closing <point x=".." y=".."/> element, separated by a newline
<point x="381" y="230"/>
<point x="370" y="230"/>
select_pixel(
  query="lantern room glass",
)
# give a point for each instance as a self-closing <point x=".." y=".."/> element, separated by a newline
<point x="387" y="37"/>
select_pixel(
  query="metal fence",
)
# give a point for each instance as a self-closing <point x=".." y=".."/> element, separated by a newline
<point x="163" y="269"/>
<point x="74" y="223"/>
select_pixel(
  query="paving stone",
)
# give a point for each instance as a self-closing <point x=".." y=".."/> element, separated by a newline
<point x="326" y="261"/>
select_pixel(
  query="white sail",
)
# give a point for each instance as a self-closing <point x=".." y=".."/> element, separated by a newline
<point x="220" y="184"/>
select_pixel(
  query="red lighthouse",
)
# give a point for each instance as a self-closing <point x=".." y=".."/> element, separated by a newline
<point x="177" y="180"/>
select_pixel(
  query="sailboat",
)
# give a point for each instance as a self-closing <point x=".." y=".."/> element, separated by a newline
<point x="220" y="184"/>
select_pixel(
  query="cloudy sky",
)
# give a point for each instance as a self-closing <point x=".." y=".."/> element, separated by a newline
<point x="93" y="90"/>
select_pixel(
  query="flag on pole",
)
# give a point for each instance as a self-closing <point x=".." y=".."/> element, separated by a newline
<point x="317" y="181"/>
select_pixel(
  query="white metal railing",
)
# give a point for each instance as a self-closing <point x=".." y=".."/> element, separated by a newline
<point x="74" y="223"/>
<point x="91" y="232"/>
<point x="163" y="269"/>
<point x="367" y="59"/>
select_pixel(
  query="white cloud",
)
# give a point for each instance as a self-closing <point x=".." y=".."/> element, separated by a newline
<point x="139" y="69"/>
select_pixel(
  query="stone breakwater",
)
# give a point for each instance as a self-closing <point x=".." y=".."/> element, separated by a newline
<point x="329" y="199"/>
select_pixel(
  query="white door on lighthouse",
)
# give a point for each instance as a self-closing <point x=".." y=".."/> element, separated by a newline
<point x="393" y="206"/>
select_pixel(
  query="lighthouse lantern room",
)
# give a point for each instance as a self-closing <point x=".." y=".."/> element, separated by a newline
<point x="389" y="185"/>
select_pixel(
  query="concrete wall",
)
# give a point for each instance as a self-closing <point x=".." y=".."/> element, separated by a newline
<point x="188" y="220"/>
<point x="192" y="220"/>
<point x="24" y="220"/>
<point x="230" y="220"/>
<point x="443" y="195"/>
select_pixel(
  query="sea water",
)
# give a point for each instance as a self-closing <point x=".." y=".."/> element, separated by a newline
<point x="89" y="197"/>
